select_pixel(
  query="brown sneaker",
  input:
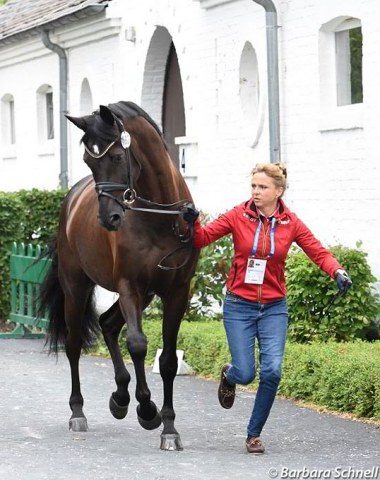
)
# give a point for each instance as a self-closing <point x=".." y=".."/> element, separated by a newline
<point x="226" y="391"/>
<point x="254" y="445"/>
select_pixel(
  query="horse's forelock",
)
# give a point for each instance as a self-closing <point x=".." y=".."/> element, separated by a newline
<point x="99" y="132"/>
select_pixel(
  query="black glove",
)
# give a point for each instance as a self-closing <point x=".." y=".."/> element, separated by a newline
<point x="190" y="214"/>
<point x="343" y="281"/>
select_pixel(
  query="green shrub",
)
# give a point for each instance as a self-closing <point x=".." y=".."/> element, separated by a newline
<point x="41" y="212"/>
<point x="340" y="376"/>
<point x="204" y="343"/>
<point x="207" y="286"/>
<point x="29" y="217"/>
<point x="310" y="292"/>
<point x="11" y="210"/>
<point x="343" y="377"/>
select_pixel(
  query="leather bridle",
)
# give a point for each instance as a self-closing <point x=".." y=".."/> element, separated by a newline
<point x="105" y="189"/>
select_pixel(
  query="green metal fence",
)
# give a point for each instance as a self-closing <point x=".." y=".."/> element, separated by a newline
<point x="26" y="276"/>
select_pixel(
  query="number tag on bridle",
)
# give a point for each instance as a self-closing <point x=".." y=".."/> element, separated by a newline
<point x="125" y="140"/>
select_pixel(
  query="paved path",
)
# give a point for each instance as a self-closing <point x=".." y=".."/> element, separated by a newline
<point x="35" y="443"/>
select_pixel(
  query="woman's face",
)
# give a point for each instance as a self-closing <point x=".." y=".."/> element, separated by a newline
<point x="265" y="193"/>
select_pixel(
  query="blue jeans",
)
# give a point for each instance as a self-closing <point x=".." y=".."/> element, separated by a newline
<point x="244" y="321"/>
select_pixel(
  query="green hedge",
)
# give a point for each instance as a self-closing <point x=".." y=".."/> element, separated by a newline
<point x="340" y="376"/>
<point x="310" y="291"/>
<point x="32" y="216"/>
<point x="29" y="216"/>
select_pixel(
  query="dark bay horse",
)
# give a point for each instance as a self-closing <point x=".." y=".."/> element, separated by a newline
<point x="122" y="229"/>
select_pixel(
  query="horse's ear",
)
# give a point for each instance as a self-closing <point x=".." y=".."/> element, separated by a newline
<point x="106" y="115"/>
<point x="79" y="122"/>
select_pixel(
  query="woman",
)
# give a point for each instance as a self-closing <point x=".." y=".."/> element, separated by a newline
<point x="263" y="230"/>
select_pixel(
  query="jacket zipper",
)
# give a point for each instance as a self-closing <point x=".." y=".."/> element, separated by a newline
<point x="260" y="287"/>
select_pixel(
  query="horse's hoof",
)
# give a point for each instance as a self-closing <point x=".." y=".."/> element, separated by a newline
<point x="78" y="424"/>
<point x="155" y="422"/>
<point x="118" y="411"/>
<point x="171" y="442"/>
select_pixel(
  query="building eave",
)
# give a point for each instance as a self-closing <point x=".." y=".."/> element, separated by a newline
<point x="75" y="14"/>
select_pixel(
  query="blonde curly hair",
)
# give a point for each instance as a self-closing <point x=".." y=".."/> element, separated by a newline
<point x="277" y="171"/>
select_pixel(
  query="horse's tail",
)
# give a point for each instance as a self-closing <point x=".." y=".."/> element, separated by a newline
<point x="52" y="304"/>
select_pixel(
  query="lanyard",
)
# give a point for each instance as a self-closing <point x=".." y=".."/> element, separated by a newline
<point x="272" y="239"/>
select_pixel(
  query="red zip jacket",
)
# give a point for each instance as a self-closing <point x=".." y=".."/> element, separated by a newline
<point x="242" y="221"/>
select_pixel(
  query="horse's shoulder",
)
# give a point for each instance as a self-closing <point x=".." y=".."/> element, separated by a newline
<point x="78" y="193"/>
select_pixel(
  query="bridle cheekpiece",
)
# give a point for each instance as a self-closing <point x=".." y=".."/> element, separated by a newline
<point x="103" y="189"/>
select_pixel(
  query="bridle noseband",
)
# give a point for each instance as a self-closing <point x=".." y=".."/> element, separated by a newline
<point x="104" y="189"/>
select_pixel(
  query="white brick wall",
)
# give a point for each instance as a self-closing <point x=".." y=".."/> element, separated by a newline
<point x="332" y="154"/>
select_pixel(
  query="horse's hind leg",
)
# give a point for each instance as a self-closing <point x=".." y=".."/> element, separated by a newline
<point x="111" y="323"/>
<point x="74" y="313"/>
<point x="82" y="324"/>
<point x="174" y="309"/>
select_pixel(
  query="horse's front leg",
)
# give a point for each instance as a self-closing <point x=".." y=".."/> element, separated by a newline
<point x="148" y="414"/>
<point x="174" y="310"/>
<point x="111" y="323"/>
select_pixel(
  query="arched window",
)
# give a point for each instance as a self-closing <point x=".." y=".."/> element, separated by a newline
<point x="86" y="104"/>
<point x="250" y="96"/>
<point x="249" y="83"/>
<point x="45" y="113"/>
<point x="8" y="124"/>
<point x="340" y="55"/>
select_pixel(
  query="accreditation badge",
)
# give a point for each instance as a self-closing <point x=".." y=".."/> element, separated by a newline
<point x="255" y="271"/>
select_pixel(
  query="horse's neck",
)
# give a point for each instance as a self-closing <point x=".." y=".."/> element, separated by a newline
<point x="161" y="181"/>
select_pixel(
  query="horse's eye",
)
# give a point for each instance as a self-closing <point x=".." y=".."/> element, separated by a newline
<point x="117" y="158"/>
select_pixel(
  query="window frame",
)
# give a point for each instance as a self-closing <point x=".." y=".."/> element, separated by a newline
<point x="333" y="116"/>
<point x="49" y="101"/>
<point x="344" y="62"/>
<point x="8" y="120"/>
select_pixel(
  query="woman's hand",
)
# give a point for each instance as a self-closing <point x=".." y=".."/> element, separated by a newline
<point x="343" y="281"/>
<point x="190" y="213"/>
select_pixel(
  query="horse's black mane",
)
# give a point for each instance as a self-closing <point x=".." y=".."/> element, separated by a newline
<point x="122" y="110"/>
<point x="130" y="110"/>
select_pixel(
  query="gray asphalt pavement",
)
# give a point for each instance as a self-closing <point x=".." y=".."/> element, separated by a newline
<point x="35" y="443"/>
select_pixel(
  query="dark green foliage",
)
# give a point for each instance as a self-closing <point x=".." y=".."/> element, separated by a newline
<point x="356" y="57"/>
<point x="11" y="210"/>
<point x="340" y="376"/>
<point x="343" y="377"/>
<point x="310" y="291"/>
<point x="40" y="210"/>
<point x="29" y="217"/>
<point x="204" y="343"/>
<point x="207" y="286"/>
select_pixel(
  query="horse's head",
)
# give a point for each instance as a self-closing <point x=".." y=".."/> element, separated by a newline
<point x="106" y="153"/>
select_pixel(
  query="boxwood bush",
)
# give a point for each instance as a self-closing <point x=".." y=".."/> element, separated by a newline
<point x="29" y="216"/>
<point x="32" y="217"/>
<point x="310" y="292"/>
<point x="340" y="376"/>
